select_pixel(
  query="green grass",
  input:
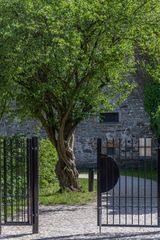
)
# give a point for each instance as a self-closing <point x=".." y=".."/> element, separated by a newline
<point x="149" y="174"/>
<point x="51" y="197"/>
<point x="152" y="175"/>
<point x="140" y="173"/>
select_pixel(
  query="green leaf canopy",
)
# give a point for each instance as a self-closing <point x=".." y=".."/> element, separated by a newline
<point x="71" y="57"/>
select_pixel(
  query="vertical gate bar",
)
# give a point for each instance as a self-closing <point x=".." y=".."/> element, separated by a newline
<point x="19" y="186"/>
<point x="11" y="171"/>
<point x="119" y="181"/>
<point x="16" y="174"/>
<point x="145" y="168"/>
<point x="0" y="185"/>
<point x="132" y="202"/>
<point x="35" y="184"/>
<point x="31" y="181"/>
<point x="21" y="194"/>
<point x="151" y="162"/>
<point x="158" y="182"/>
<point x="9" y="180"/>
<point x="29" y="185"/>
<point x="91" y="180"/>
<point x="5" y="181"/>
<point x="113" y="145"/>
<point x="27" y="180"/>
<point x="99" y="198"/>
<point x="18" y="155"/>
<point x="107" y="197"/>
<point x="20" y="183"/>
<point x="24" y="181"/>
<point x="125" y="181"/>
<point x="139" y="149"/>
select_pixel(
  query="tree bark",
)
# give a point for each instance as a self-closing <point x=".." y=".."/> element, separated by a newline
<point x="62" y="139"/>
<point x="66" y="169"/>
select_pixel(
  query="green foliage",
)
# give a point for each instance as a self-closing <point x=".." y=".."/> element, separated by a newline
<point x="152" y="103"/>
<point x="151" y="65"/>
<point x="152" y="96"/>
<point x="60" y="55"/>
<point x="48" y="159"/>
<point x="62" y="61"/>
<point x="16" y="166"/>
<point x="48" y="182"/>
<point x="156" y="121"/>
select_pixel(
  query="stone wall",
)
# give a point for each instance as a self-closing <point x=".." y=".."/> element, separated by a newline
<point x="133" y="122"/>
<point x="29" y="128"/>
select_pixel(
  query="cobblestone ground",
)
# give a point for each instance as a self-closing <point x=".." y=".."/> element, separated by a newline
<point x="75" y="222"/>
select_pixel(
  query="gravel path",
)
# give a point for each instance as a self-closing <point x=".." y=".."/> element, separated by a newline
<point x="77" y="222"/>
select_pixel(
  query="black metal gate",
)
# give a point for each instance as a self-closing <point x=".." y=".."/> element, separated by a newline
<point x="129" y="196"/>
<point x="19" y="182"/>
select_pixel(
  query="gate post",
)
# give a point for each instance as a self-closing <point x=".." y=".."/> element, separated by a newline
<point x="35" y="214"/>
<point x="99" y="199"/>
<point x="158" y="182"/>
<point x="90" y="180"/>
<point x="1" y="144"/>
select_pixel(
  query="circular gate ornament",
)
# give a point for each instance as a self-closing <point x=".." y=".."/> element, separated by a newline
<point x="109" y="173"/>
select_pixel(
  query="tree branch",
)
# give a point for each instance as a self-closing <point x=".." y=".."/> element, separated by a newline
<point x="141" y="6"/>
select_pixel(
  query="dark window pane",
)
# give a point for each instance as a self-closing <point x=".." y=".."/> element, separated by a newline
<point x="110" y="151"/>
<point x="109" y="117"/>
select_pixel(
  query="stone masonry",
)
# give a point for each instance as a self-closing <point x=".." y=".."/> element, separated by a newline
<point x="133" y="121"/>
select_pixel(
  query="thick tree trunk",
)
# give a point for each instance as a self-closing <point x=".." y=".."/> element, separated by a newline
<point x="66" y="169"/>
<point x="63" y="141"/>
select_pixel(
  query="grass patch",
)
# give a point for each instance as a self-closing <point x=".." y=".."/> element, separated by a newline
<point x="51" y="197"/>
<point x="152" y="174"/>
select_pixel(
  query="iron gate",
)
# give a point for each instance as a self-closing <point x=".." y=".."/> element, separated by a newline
<point x="19" y="182"/>
<point x="134" y="199"/>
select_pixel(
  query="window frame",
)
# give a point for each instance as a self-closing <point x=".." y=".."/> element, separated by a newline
<point x="145" y="147"/>
<point x="103" y="117"/>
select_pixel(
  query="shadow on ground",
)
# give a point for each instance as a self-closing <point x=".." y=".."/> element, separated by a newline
<point x="63" y="208"/>
<point x="93" y="236"/>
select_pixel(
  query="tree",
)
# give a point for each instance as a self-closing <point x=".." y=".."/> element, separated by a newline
<point x="67" y="59"/>
<point x="152" y="103"/>
<point x="151" y="67"/>
<point x="4" y="93"/>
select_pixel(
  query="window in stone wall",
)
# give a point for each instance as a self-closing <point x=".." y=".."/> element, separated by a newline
<point x="109" y="117"/>
<point x="110" y="144"/>
<point x="145" y="147"/>
<point x="110" y="151"/>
